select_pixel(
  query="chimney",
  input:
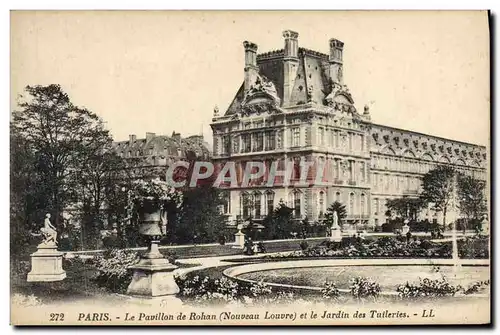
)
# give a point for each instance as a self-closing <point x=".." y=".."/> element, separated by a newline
<point x="335" y="60"/>
<point x="290" y="64"/>
<point x="251" y="68"/>
<point x="176" y="136"/>
<point x="131" y="139"/>
<point x="150" y="136"/>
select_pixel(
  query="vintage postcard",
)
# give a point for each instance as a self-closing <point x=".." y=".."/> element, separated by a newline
<point x="250" y="168"/>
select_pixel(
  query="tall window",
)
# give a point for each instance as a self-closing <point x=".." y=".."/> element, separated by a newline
<point x="362" y="203"/>
<point x="246" y="144"/>
<point x="258" y="141"/>
<point x="337" y="196"/>
<point x="336" y="163"/>
<point x="297" y="203"/>
<point x="321" y="136"/>
<point x="226" y="144"/>
<point x="321" y="202"/>
<point x="362" y="171"/>
<point x="270" y="202"/>
<point x="295" y="137"/>
<point x="246" y="203"/>
<point x="351" y="165"/>
<point x="236" y="144"/>
<point x="270" y="140"/>
<point x="279" y="140"/>
<point x="226" y="198"/>
<point x="296" y="168"/>
<point x="256" y="204"/>
<point x="351" y="203"/>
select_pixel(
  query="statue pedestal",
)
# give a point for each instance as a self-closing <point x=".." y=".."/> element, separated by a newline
<point x="239" y="240"/>
<point x="405" y="229"/>
<point x="46" y="264"/>
<point x="335" y="235"/>
<point x="153" y="276"/>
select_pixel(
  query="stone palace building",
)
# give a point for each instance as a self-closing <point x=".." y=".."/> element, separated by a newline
<point x="151" y="155"/>
<point x="293" y="106"/>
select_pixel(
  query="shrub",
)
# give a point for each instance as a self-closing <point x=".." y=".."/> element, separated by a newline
<point x="408" y="291"/>
<point x="260" y="289"/>
<point x="330" y="291"/>
<point x="113" y="269"/>
<point x="474" y="247"/>
<point x="362" y="287"/>
<point x="304" y="245"/>
<point x="476" y="287"/>
<point x="427" y="288"/>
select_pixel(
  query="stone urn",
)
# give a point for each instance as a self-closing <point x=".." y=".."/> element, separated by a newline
<point x="150" y="218"/>
<point x="153" y="275"/>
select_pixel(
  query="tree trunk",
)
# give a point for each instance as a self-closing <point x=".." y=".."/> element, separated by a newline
<point x="444" y="218"/>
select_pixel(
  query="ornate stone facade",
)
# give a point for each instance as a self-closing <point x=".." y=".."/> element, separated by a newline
<point x="293" y="106"/>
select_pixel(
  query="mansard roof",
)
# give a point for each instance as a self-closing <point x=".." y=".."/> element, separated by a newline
<point x="312" y="78"/>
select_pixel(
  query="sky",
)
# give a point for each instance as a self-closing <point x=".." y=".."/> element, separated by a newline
<point x="158" y="71"/>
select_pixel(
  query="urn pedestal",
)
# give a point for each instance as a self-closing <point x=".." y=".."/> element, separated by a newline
<point x="239" y="240"/>
<point x="46" y="264"/>
<point x="153" y="276"/>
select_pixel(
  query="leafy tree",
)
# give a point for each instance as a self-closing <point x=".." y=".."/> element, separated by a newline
<point x="280" y="223"/>
<point x="100" y="181"/>
<point x="471" y="197"/>
<point x="439" y="188"/>
<point x="199" y="219"/>
<point x="341" y="213"/>
<point x="60" y="136"/>
<point x="406" y="207"/>
<point x="26" y="200"/>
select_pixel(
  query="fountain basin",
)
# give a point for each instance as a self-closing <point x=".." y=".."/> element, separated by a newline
<point x="310" y="275"/>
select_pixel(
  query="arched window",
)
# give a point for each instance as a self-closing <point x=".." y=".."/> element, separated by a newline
<point x="337" y="197"/>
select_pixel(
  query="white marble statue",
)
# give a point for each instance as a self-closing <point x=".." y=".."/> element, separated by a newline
<point x="335" y="220"/>
<point x="48" y="231"/>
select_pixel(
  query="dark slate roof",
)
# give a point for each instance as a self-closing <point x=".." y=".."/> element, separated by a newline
<point x="312" y="73"/>
<point x="165" y="146"/>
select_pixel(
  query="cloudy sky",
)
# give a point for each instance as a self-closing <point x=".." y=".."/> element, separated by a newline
<point x="165" y="71"/>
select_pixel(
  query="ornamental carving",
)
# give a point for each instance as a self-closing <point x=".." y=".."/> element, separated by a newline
<point x="457" y="151"/>
<point x="406" y="141"/>
<point x="386" y="138"/>
<point x="375" y="137"/>
<point x="310" y="91"/>
<point x="433" y="147"/>
<point x="262" y="87"/>
<point x="259" y="108"/>
<point x="415" y="143"/>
